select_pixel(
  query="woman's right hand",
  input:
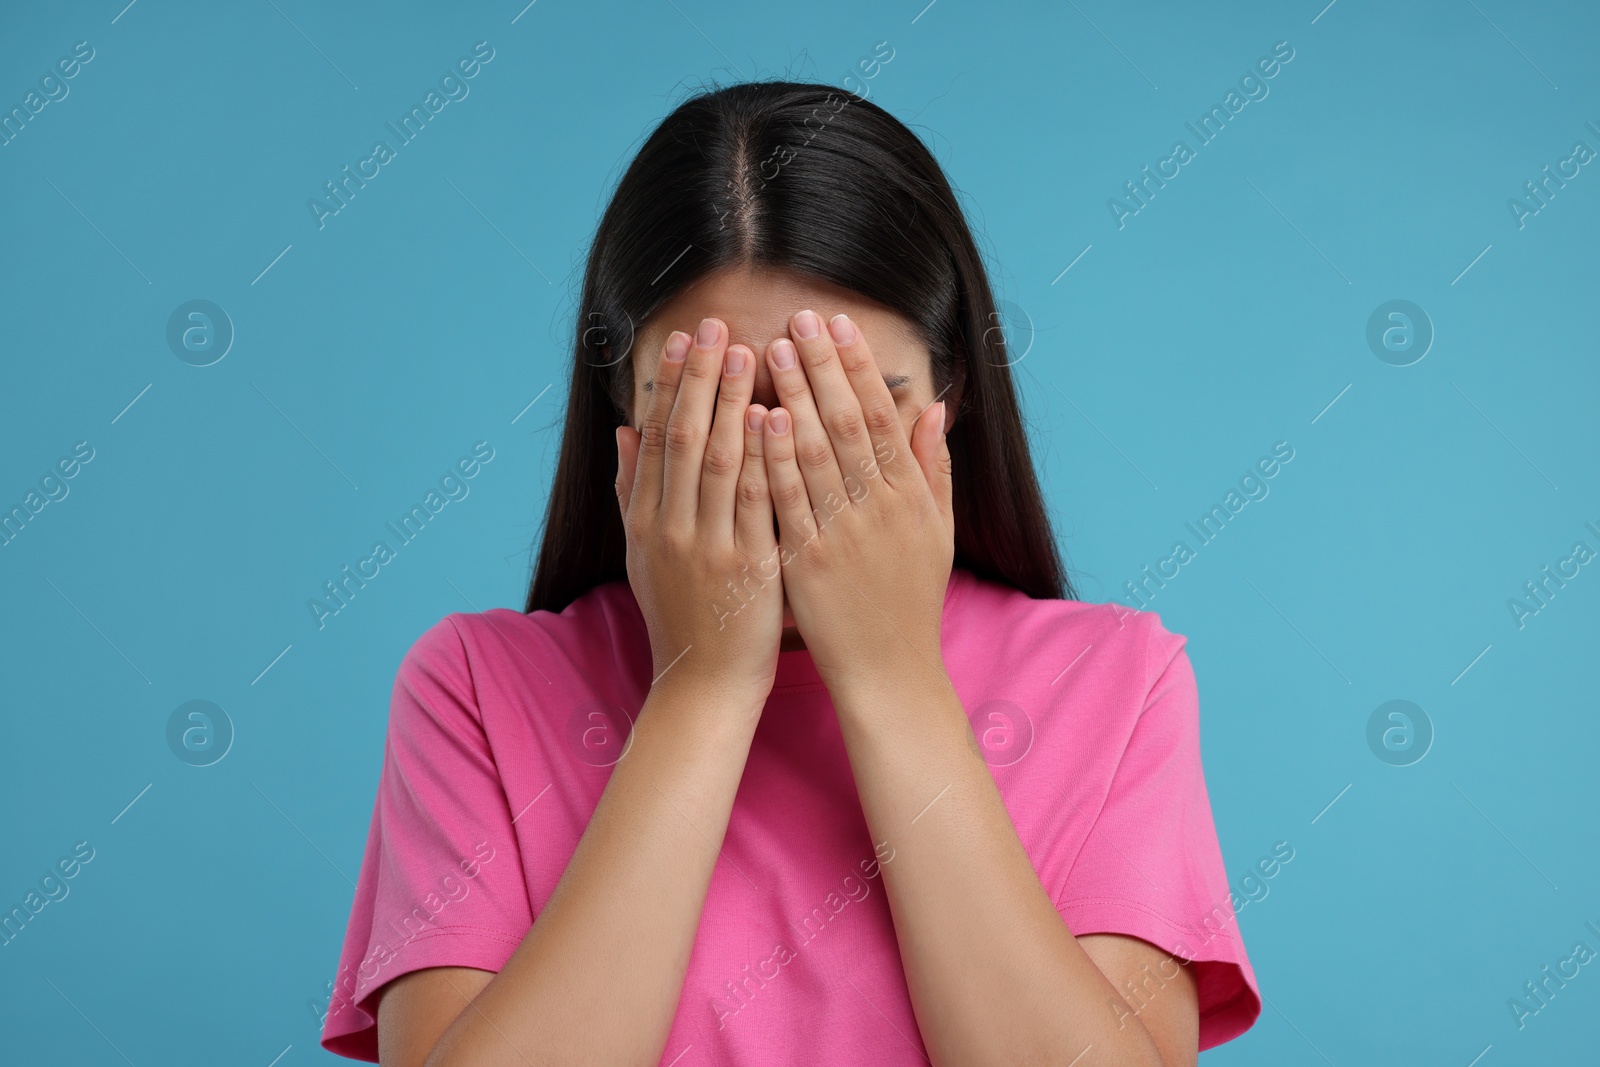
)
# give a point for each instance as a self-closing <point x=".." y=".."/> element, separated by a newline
<point x="702" y="549"/>
<point x="619" y="926"/>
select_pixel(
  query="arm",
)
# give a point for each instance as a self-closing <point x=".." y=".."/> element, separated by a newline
<point x="598" y="976"/>
<point x="995" y="976"/>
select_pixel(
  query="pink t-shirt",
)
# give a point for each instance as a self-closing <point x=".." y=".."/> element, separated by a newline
<point x="504" y="727"/>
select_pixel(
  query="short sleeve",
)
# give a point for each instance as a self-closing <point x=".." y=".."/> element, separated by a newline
<point x="1151" y="866"/>
<point x="441" y="883"/>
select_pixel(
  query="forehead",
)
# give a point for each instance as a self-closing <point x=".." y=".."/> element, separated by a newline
<point x="757" y="303"/>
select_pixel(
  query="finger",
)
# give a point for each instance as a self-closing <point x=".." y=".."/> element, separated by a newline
<point x="724" y="457"/>
<point x="689" y="425"/>
<point x="653" y="427"/>
<point x="933" y="456"/>
<point x="790" y="500"/>
<point x="834" y="394"/>
<point x="812" y="448"/>
<point x="753" y="529"/>
<point x="891" y="450"/>
<point x="627" y="465"/>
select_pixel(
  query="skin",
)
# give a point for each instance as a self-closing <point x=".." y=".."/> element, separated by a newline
<point x="754" y="308"/>
<point x="845" y="498"/>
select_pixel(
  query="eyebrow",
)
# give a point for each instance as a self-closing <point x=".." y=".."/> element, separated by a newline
<point x="892" y="381"/>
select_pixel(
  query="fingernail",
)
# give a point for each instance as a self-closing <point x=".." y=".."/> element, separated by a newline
<point x="941" y="419"/>
<point x="780" y="422"/>
<point x="807" y="325"/>
<point x="706" y="336"/>
<point x="677" y="346"/>
<point x="783" y="353"/>
<point x="733" y="362"/>
<point x="842" y="329"/>
<point x="752" y="419"/>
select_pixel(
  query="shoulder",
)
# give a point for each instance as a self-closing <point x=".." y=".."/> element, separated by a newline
<point x="610" y="606"/>
<point x="501" y="648"/>
<point x="1004" y="628"/>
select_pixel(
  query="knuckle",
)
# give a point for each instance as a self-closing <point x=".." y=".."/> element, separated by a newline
<point x="880" y="419"/>
<point x="719" y="460"/>
<point x="676" y="541"/>
<point x="814" y="453"/>
<point x="752" y="493"/>
<point x="854" y="360"/>
<point x="795" y="387"/>
<point x="681" y="438"/>
<point x="697" y="370"/>
<point x="652" y="437"/>
<point x="791" y="494"/>
<point x="847" y="425"/>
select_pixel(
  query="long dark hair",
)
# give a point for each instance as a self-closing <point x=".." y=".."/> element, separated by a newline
<point x="824" y="183"/>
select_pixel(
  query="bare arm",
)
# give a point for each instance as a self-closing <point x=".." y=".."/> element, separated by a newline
<point x="598" y="977"/>
<point x="418" y="1009"/>
<point x="995" y="976"/>
<point x="1157" y="988"/>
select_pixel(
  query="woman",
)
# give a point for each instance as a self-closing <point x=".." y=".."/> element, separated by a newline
<point x="802" y="750"/>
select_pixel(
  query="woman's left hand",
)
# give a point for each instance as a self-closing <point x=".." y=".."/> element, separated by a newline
<point x="866" y="529"/>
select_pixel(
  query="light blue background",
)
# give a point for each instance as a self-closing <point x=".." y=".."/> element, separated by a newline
<point x="1224" y="317"/>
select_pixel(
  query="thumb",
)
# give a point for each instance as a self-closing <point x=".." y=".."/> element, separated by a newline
<point x="933" y="455"/>
<point x="627" y="464"/>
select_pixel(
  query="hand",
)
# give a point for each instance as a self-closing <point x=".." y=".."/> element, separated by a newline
<point x="865" y="517"/>
<point x="702" y="555"/>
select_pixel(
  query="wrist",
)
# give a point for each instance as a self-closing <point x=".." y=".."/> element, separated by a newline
<point x="718" y="699"/>
<point x="864" y="689"/>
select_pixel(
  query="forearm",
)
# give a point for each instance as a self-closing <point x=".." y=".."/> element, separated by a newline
<point x="994" y="974"/>
<point x="598" y="977"/>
